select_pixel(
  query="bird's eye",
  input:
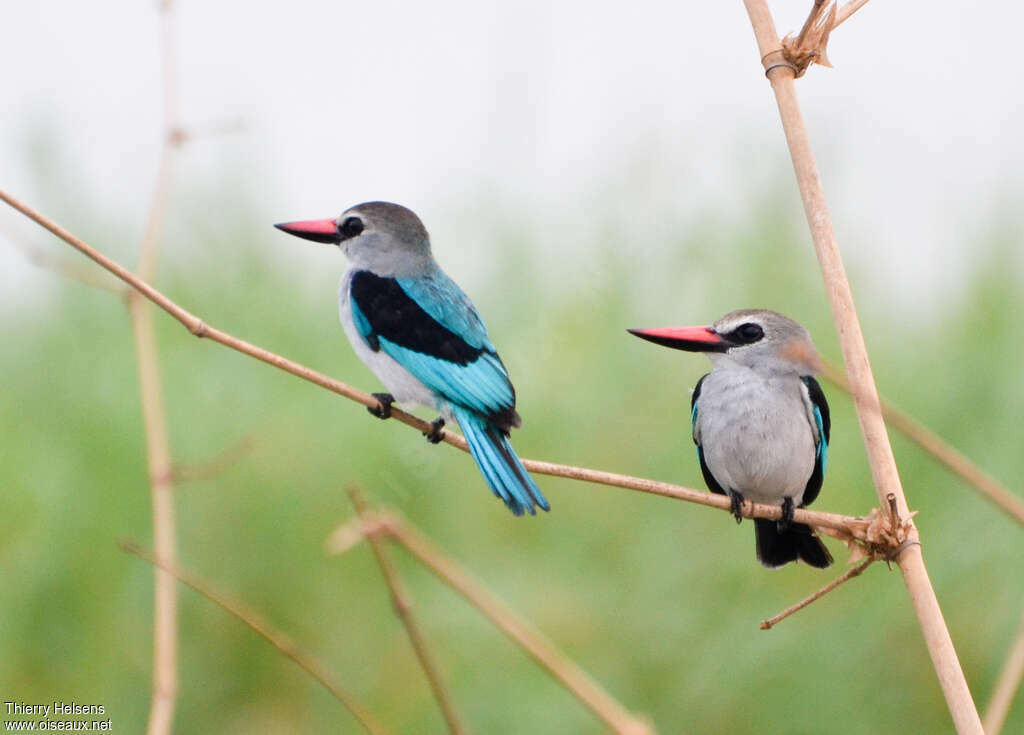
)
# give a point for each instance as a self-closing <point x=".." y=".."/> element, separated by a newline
<point x="747" y="333"/>
<point x="351" y="227"/>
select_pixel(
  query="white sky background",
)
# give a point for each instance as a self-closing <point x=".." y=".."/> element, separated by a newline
<point x="539" y="105"/>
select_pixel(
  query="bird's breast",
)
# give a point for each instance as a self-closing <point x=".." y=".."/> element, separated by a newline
<point x="755" y="434"/>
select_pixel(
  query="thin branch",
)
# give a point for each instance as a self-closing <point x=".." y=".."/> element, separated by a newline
<point x="847" y="527"/>
<point x="844" y="524"/>
<point x="941" y="450"/>
<point x="403" y="609"/>
<point x="42" y="259"/>
<point x="212" y="466"/>
<point x="810" y="46"/>
<point x="850" y="574"/>
<point x="271" y="635"/>
<point x="865" y="394"/>
<point x="1009" y="682"/>
<point x="560" y="666"/>
<point x="847" y="10"/>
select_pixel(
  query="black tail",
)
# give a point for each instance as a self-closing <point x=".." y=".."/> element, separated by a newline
<point x="775" y="547"/>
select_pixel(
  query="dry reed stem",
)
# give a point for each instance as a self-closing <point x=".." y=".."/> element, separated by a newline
<point x="1007" y="685"/>
<point x="158" y="458"/>
<point x="864" y="393"/>
<point x="941" y="450"/>
<point x="847" y="10"/>
<point x="264" y="629"/>
<point x="556" y="663"/>
<point x="158" y="451"/>
<point x="154" y="415"/>
<point x="850" y="574"/>
<point x="403" y="609"/>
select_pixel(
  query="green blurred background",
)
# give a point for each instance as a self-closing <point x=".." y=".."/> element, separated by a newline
<point x="582" y="170"/>
<point x="658" y="600"/>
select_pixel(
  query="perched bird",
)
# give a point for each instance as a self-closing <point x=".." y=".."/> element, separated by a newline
<point x="421" y="335"/>
<point x="760" y="422"/>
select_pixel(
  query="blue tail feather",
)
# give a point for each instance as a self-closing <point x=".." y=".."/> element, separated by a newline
<point x="499" y="465"/>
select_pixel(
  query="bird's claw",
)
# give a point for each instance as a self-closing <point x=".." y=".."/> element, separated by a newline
<point x="435" y="434"/>
<point x="736" y="502"/>
<point x="787" y="515"/>
<point x="383" y="411"/>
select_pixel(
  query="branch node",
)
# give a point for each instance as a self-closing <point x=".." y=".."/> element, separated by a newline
<point x="810" y="44"/>
<point x="356" y="530"/>
<point x="177" y="137"/>
<point x="881" y="536"/>
<point x="401" y="606"/>
<point x="199" y="328"/>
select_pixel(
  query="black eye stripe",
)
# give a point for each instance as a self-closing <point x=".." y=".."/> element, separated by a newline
<point x="745" y="334"/>
<point x="351" y="227"/>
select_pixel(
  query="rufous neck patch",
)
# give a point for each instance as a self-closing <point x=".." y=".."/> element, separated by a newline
<point x="801" y="352"/>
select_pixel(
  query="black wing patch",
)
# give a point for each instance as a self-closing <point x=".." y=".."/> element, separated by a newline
<point x="695" y="396"/>
<point x="393" y="315"/>
<point x="817" y="397"/>
<point x="819" y="402"/>
<point x="709" y="479"/>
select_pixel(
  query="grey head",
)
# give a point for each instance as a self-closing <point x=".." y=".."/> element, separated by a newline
<point x="768" y="340"/>
<point x="384" y="238"/>
<point x="759" y="339"/>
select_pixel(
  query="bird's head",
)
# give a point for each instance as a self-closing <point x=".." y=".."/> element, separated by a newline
<point x="381" y="237"/>
<point x="756" y="338"/>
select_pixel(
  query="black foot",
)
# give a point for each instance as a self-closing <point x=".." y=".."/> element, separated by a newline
<point x="787" y="515"/>
<point x="737" y="505"/>
<point x="383" y="411"/>
<point x="435" y="434"/>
